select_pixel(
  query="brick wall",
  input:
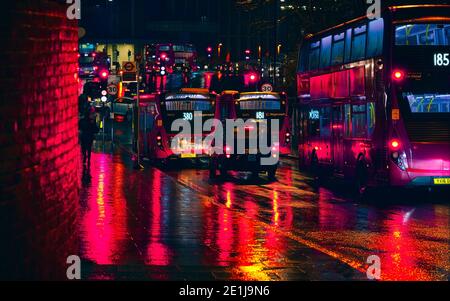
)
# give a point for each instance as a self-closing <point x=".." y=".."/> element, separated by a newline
<point x="39" y="163"/>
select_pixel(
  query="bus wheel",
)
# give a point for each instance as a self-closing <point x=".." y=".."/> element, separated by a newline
<point x="361" y="174"/>
<point x="271" y="173"/>
<point x="254" y="175"/>
<point x="315" y="170"/>
<point x="223" y="172"/>
<point x="212" y="169"/>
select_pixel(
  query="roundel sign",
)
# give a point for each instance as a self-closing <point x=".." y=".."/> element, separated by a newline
<point x="112" y="89"/>
<point x="266" y="88"/>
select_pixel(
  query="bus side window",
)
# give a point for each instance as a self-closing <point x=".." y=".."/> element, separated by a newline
<point x="359" y="121"/>
<point x="375" y="43"/>
<point x="314" y="55"/>
<point x="313" y="127"/>
<point x="325" y="52"/>
<point x="325" y="122"/>
<point x="371" y="118"/>
<point x="348" y="120"/>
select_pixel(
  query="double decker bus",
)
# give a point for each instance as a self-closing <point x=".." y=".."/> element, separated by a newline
<point x="168" y="107"/>
<point x="168" y="67"/>
<point x="374" y="99"/>
<point x="254" y="106"/>
<point x="171" y="56"/>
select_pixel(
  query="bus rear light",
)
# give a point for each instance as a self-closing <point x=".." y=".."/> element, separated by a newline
<point x="287" y="137"/>
<point x="104" y="74"/>
<point x="395" y="144"/>
<point x="398" y="75"/>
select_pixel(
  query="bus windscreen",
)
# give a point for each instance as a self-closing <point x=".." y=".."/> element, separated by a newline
<point x="428" y="102"/>
<point x="422" y="35"/>
<point x="189" y="105"/>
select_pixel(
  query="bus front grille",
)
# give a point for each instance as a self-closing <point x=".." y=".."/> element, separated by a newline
<point x="428" y="130"/>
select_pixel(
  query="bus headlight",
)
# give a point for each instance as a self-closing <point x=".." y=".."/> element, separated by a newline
<point x="400" y="160"/>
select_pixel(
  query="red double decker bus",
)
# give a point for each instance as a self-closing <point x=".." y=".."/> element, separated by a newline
<point x="173" y="57"/>
<point x="374" y="98"/>
<point x="161" y="110"/>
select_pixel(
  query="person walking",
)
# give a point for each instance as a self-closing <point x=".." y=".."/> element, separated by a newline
<point x="88" y="128"/>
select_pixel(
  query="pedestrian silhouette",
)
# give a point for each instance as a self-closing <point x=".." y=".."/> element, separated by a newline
<point x="89" y="129"/>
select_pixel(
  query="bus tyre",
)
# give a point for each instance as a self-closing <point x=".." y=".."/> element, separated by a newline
<point x="361" y="174"/>
<point x="212" y="169"/>
<point x="223" y="172"/>
<point x="315" y="166"/>
<point x="271" y="173"/>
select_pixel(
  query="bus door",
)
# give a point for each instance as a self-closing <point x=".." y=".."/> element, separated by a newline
<point x="337" y="139"/>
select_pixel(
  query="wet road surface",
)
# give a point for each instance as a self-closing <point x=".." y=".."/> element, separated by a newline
<point x="178" y="225"/>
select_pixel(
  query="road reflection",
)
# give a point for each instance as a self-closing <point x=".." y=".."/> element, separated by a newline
<point x="177" y="224"/>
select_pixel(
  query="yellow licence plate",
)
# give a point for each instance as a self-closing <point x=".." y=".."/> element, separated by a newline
<point x="441" y="181"/>
<point x="188" y="155"/>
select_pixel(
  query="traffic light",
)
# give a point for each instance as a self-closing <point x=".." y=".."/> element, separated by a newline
<point x="209" y="51"/>
<point x="162" y="71"/>
<point x="247" y="54"/>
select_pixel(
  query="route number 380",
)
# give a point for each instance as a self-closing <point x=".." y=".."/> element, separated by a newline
<point x="441" y="59"/>
<point x="188" y="116"/>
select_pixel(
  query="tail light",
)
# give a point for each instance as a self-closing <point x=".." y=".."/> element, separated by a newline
<point x="104" y="74"/>
<point x="398" y="75"/>
<point x="394" y="144"/>
<point x="227" y="151"/>
<point x="159" y="141"/>
<point x="287" y="137"/>
<point x="399" y="157"/>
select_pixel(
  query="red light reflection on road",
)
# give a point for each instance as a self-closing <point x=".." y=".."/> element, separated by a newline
<point x="104" y="225"/>
<point x="157" y="252"/>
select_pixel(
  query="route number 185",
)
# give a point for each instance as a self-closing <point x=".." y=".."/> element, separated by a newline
<point x="441" y="59"/>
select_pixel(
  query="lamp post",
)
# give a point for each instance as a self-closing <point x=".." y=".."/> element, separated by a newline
<point x="275" y="39"/>
<point x="219" y="49"/>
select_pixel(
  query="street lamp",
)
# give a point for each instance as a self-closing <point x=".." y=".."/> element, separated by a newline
<point x="219" y="48"/>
